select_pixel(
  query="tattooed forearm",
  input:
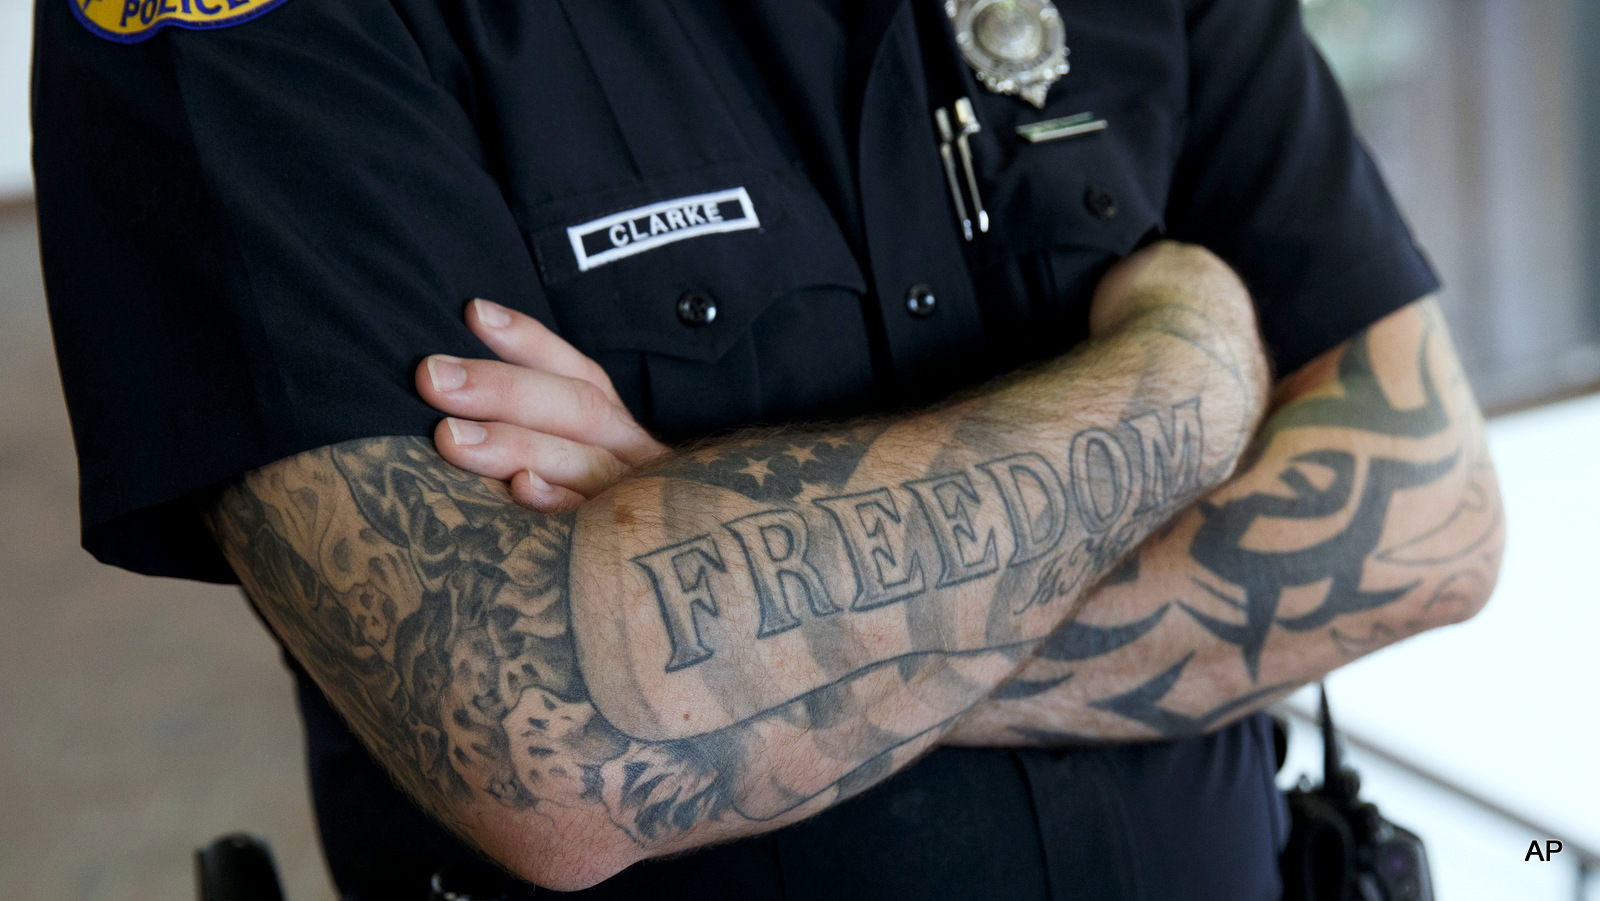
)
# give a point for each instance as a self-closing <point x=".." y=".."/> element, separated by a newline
<point x="744" y="634"/>
<point x="800" y="579"/>
<point x="1367" y="512"/>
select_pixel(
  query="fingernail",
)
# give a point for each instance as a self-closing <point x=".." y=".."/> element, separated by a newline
<point x="492" y="314"/>
<point x="447" y="373"/>
<point x="538" y="484"/>
<point x="466" y="434"/>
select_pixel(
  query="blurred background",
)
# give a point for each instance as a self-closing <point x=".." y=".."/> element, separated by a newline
<point x="140" y="718"/>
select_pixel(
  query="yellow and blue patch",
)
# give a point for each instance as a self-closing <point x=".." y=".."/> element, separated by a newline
<point x="132" y="21"/>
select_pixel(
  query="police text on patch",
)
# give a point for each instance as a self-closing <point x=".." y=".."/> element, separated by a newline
<point x="132" y="21"/>
<point x="639" y="230"/>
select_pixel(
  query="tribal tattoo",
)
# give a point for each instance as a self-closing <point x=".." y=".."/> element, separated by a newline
<point x="1321" y="549"/>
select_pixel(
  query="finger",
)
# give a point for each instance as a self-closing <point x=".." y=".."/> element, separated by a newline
<point x="534" y="493"/>
<point x="521" y="339"/>
<point x="491" y="391"/>
<point x="498" y="451"/>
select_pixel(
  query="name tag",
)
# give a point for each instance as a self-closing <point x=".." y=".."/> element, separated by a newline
<point x="644" y="229"/>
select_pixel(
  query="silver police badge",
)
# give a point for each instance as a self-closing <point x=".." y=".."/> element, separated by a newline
<point x="1017" y="47"/>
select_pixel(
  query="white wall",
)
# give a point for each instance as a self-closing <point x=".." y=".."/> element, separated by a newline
<point x="16" y="51"/>
<point x="1504" y="704"/>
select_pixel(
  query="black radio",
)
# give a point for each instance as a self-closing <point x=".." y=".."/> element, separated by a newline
<point x="1340" y="847"/>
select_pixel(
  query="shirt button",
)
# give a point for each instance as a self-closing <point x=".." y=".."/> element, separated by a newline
<point x="1100" y="202"/>
<point x="696" y="309"/>
<point x="921" y="302"/>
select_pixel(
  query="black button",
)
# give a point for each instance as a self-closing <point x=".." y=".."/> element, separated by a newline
<point x="921" y="302"/>
<point x="695" y="309"/>
<point x="1100" y="202"/>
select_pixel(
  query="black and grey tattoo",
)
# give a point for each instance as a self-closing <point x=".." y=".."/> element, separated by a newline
<point x="749" y="631"/>
<point x="1337" y="559"/>
<point x="443" y="620"/>
<point x="1322" y="486"/>
<point x="822" y="559"/>
<point x="924" y="534"/>
<point x="1263" y="576"/>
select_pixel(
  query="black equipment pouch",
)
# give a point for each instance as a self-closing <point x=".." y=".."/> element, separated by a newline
<point x="1340" y="847"/>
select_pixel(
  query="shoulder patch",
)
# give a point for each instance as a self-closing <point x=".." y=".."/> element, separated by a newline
<point x="132" y="21"/>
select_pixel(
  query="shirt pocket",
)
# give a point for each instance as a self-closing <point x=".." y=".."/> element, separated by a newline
<point x="1082" y="192"/>
<point x="676" y="270"/>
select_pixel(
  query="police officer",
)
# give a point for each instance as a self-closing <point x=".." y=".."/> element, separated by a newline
<point x="258" y="216"/>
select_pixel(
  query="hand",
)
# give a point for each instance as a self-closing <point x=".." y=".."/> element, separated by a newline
<point x="544" y="417"/>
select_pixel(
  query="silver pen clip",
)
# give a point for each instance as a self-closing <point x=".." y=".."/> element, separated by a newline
<point x="967" y="118"/>
<point x="947" y="137"/>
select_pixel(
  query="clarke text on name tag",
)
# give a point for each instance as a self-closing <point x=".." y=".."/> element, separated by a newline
<point x="639" y="230"/>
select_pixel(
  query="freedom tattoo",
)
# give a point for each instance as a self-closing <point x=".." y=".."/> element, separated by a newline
<point x="444" y="626"/>
<point x="929" y="533"/>
<point x="825" y="559"/>
<point x="750" y="631"/>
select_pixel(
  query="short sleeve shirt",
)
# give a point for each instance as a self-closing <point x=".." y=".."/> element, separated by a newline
<point x="253" y="233"/>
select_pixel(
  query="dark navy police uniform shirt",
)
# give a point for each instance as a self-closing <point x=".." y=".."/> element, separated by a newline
<point x="252" y="235"/>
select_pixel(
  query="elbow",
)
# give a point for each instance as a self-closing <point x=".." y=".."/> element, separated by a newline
<point x="1462" y="586"/>
<point x="1459" y="596"/>
<point x="1478" y="585"/>
<point x="1485" y="567"/>
<point x="558" y="856"/>
<point x="572" y="872"/>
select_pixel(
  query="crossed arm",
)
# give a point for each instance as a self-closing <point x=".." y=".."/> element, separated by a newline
<point x="730" y="639"/>
<point x="1366" y="511"/>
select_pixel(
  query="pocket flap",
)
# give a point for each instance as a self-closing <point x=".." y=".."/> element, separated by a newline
<point x="1078" y="192"/>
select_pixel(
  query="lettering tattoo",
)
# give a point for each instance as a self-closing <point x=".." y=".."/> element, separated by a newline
<point x="902" y="543"/>
<point x="440" y="616"/>
<point x="749" y="631"/>
<point x="1169" y="451"/>
<point x="876" y="537"/>
<point x="680" y="576"/>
